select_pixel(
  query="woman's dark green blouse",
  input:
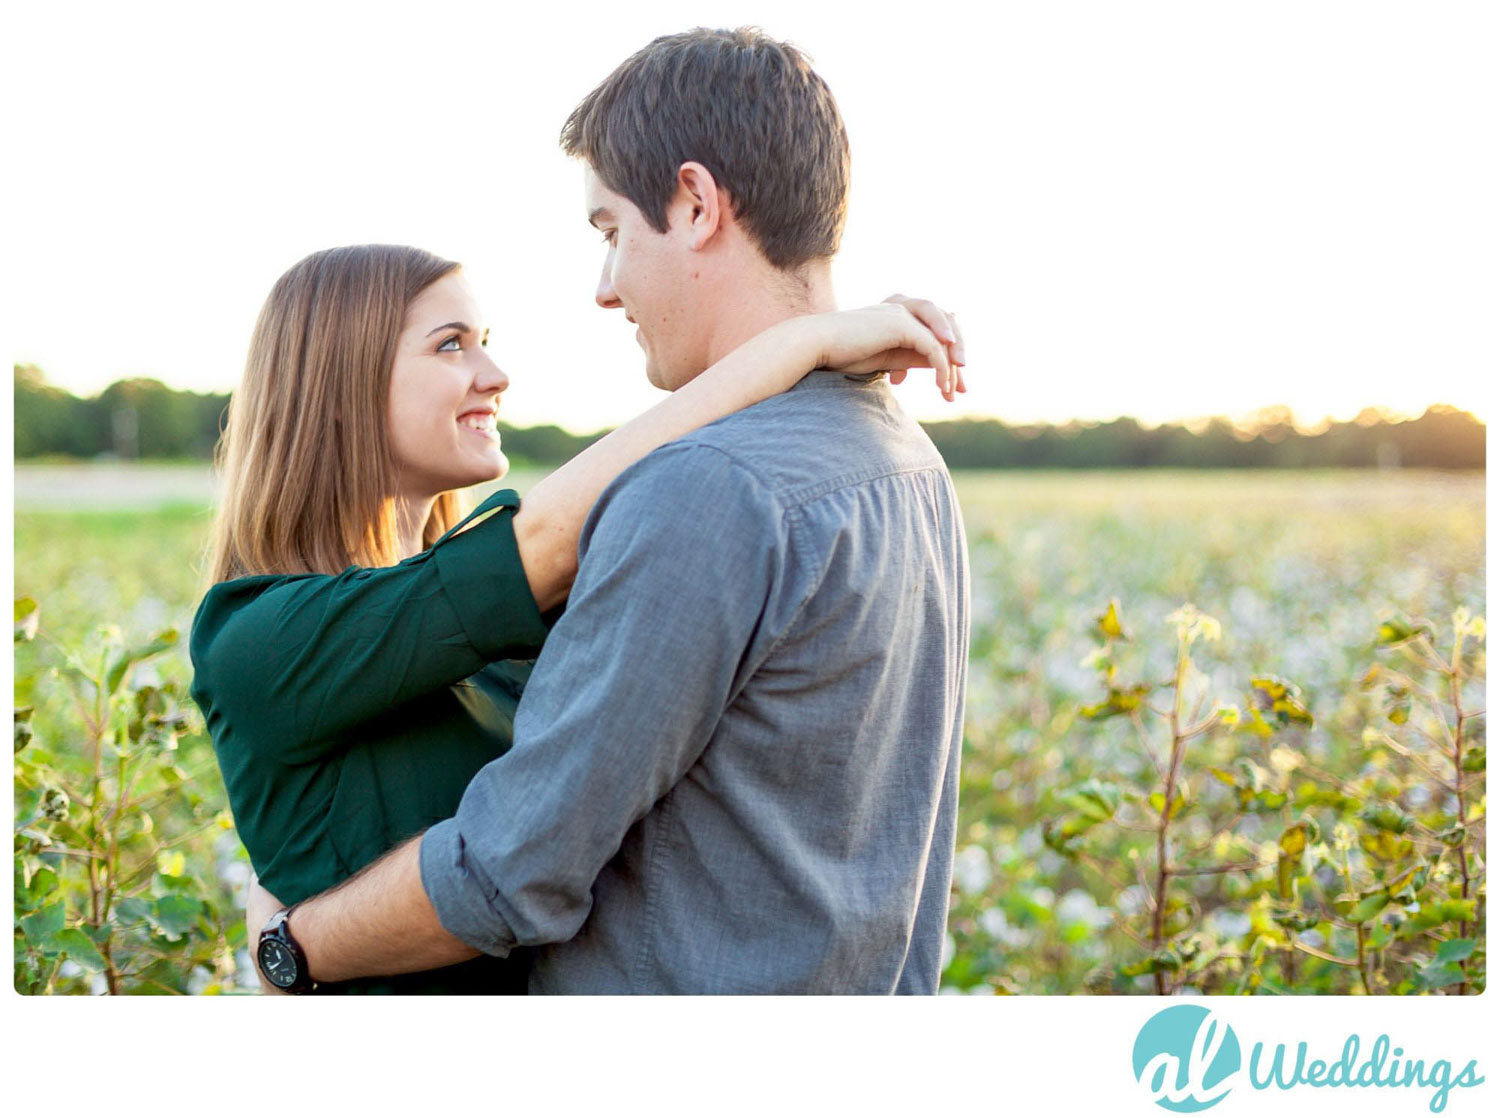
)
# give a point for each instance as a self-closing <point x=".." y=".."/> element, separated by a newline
<point x="350" y="711"/>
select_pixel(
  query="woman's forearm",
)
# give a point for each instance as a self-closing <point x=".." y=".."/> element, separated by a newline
<point x="553" y="512"/>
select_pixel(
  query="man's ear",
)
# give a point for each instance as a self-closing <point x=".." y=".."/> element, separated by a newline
<point x="701" y="203"/>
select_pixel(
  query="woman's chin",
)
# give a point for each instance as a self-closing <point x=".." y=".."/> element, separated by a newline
<point x="493" y="467"/>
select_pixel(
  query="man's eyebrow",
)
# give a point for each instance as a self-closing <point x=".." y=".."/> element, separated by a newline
<point x="597" y="212"/>
<point x="462" y="327"/>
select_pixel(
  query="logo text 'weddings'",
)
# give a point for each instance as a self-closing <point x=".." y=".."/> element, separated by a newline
<point x="1187" y="1060"/>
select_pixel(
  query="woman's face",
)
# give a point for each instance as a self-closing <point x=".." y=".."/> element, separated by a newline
<point x="445" y="392"/>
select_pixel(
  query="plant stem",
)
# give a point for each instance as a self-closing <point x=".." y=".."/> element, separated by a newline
<point x="1169" y="788"/>
<point x="1455" y="687"/>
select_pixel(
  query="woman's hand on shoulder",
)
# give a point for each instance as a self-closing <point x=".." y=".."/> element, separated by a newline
<point x="894" y="336"/>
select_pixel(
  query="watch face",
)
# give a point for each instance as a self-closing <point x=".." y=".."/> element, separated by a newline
<point x="277" y="963"/>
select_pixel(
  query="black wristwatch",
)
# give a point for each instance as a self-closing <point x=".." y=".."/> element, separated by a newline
<point x="281" y="958"/>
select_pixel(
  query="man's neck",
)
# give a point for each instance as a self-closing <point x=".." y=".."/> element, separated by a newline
<point x="777" y="297"/>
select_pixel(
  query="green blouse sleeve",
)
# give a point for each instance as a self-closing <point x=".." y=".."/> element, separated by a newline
<point x="292" y="662"/>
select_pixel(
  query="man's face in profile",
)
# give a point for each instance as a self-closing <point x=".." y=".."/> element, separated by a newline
<point x="648" y="275"/>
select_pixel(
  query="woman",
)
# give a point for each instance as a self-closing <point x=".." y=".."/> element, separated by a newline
<point x="360" y="658"/>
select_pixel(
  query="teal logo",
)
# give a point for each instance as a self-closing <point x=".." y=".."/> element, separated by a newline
<point x="1186" y="1058"/>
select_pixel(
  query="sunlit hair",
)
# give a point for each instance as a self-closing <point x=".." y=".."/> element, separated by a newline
<point x="305" y="463"/>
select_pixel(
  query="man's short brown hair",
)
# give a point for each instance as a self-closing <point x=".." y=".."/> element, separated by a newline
<point x="748" y="108"/>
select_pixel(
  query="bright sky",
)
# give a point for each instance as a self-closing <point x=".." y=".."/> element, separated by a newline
<point x="1159" y="209"/>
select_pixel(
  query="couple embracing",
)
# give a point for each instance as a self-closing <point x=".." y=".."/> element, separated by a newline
<point x="687" y="720"/>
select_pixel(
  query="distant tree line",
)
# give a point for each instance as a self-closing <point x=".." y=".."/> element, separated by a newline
<point x="1443" y="437"/>
<point x="143" y="418"/>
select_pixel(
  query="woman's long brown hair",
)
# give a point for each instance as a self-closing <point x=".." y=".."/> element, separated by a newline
<point x="305" y="463"/>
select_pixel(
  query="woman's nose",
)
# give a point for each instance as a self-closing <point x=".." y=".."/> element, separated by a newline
<point x="490" y="377"/>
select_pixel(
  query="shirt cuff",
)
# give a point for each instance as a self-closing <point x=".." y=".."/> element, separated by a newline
<point x="459" y="895"/>
<point x="482" y="575"/>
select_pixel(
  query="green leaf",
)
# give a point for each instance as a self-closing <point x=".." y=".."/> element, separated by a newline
<point x="1165" y="961"/>
<point x="33" y="891"/>
<point x="23" y="727"/>
<point x="1271" y="695"/>
<point x="1251" y="775"/>
<point x="1369" y="907"/>
<point x="1295" y="838"/>
<point x="164" y="640"/>
<point x="1396" y="631"/>
<point x="1109" y="622"/>
<point x="1121" y="700"/>
<point x="1066" y="835"/>
<point x="46" y="923"/>
<point x="1453" y="835"/>
<point x="1438" y="913"/>
<point x="28" y="617"/>
<point x="1385" y="847"/>
<point x="1387" y="817"/>
<point x="1293" y="919"/>
<point x="1404" y="887"/>
<point x="1264" y="801"/>
<point x="1454" y="950"/>
<point x="1094" y="799"/>
<point x="177" y="914"/>
<point x="79" y="948"/>
<point x="1157" y="800"/>
<point x="1473" y="759"/>
<point x="1440" y="974"/>
<point x="135" y="910"/>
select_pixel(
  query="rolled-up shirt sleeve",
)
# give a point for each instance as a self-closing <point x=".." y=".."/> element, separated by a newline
<point x="677" y="560"/>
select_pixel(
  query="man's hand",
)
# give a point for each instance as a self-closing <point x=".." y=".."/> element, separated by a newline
<point x="260" y="906"/>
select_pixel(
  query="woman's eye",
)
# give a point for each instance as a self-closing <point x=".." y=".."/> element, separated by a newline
<point x="451" y="345"/>
<point x="609" y="236"/>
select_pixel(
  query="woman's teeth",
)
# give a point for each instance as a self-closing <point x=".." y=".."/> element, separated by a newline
<point x="484" y="424"/>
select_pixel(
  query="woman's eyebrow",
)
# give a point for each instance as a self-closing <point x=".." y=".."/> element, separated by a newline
<point x="462" y="327"/>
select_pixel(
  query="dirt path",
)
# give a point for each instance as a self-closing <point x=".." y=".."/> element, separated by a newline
<point x="112" y="485"/>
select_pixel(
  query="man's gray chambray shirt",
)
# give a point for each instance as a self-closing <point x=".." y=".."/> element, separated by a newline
<point x="735" y="766"/>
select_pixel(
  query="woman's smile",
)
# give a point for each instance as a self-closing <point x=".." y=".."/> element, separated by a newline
<point x="482" y="423"/>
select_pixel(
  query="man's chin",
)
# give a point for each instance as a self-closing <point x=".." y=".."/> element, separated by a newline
<point x="668" y="380"/>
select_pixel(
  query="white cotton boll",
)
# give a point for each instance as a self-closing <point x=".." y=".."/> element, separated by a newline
<point x="1077" y="907"/>
<point x="971" y="869"/>
<point x="1132" y="901"/>
<point x="1226" y="922"/>
<point x="1000" y="929"/>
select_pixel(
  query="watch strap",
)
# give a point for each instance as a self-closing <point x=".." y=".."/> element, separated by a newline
<point x="278" y="930"/>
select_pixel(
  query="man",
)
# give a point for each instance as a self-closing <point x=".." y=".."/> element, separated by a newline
<point x="736" y="765"/>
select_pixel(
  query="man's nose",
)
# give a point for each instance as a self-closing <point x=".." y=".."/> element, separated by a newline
<point x="605" y="295"/>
